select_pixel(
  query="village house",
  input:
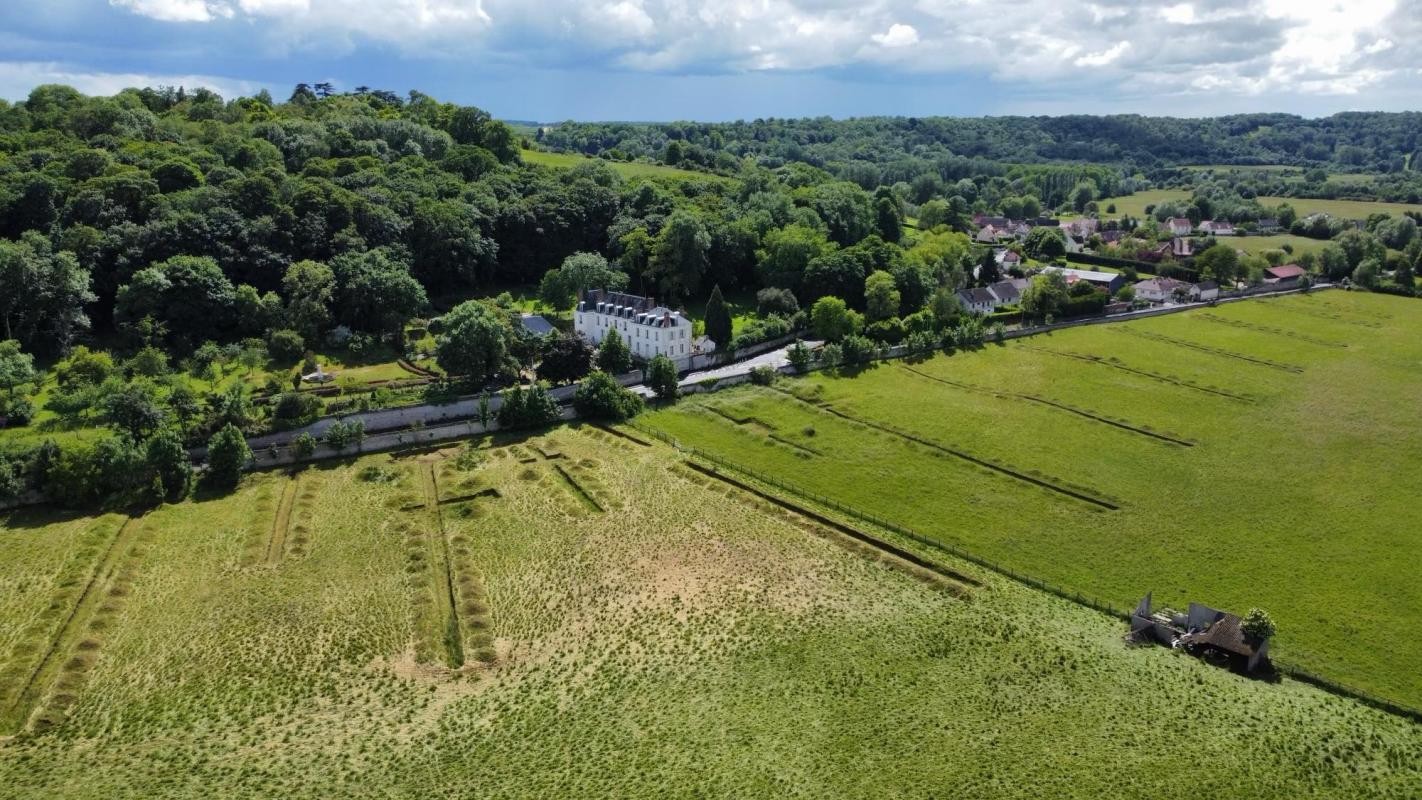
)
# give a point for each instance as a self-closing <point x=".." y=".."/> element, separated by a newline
<point x="1217" y="227"/>
<point x="1008" y="259"/>
<point x="1201" y="631"/>
<point x="1179" y="226"/>
<point x="1008" y="292"/>
<point x="1267" y="225"/>
<point x="1160" y="290"/>
<point x="988" y="235"/>
<point x="1108" y="281"/>
<point x="647" y="328"/>
<point x="977" y="301"/>
<point x="1112" y="236"/>
<point x="1206" y="291"/>
<point x="1285" y="274"/>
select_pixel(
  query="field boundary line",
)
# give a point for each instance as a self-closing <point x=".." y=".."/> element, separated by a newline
<point x="1257" y="328"/>
<point x="446" y="602"/>
<point x="1155" y="376"/>
<point x="276" y="544"/>
<point x="578" y="489"/>
<point x="1214" y="351"/>
<point x="848" y="530"/>
<point x="982" y="462"/>
<point x="1031" y="398"/>
<point x="34" y="688"/>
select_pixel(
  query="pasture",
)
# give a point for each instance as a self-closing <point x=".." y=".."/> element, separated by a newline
<point x="1135" y="204"/>
<point x="1260" y="244"/>
<point x="1346" y="209"/>
<point x="1260" y="453"/>
<point x="583" y="615"/>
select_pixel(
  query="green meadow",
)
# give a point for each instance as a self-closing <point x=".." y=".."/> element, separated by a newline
<point x="1347" y="209"/>
<point x="1253" y="454"/>
<point x="627" y="169"/>
<point x="583" y="615"/>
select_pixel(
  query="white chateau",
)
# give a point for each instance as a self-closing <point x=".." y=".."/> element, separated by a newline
<point x="647" y="328"/>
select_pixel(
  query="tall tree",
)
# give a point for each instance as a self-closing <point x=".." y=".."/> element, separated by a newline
<point x="613" y="355"/>
<point x="718" y="319"/>
<point x="679" y="255"/>
<point x="881" y="297"/>
<point x="474" y="342"/>
<point x="42" y="294"/>
<point x="227" y="457"/>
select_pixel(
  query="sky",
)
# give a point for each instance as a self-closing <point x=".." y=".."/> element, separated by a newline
<point x="715" y="60"/>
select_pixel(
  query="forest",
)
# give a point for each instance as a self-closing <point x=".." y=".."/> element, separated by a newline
<point x="884" y="150"/>
<point x="171" y="262"/>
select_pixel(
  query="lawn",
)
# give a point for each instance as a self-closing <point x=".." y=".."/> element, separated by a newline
<point x="1257" y="454"/>
<point x="624" y="168"/>
<point x="1347" y="209"/>
<point x="1135" y="204"/>
<point x="1259" y="244"/>
<point x="582" y="616"/>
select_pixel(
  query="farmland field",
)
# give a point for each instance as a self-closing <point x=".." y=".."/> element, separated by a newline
<point x="1260" y="453"/>
<point x="580" y="615"/>
<point x="1347" y="209"/>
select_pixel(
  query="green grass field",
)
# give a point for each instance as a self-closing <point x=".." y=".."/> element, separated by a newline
<point x="1135" y="204"/>
<point x="623" y="168"/>
<point x="1259" y="453"/>
<point x="1259" y="244"/>
<point x="1347" y="209"/>
<point x="577" y="615"/>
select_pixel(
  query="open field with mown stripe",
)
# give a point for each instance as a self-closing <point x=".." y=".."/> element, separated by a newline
<point x="627" y="169"/>
<point x="612" y="622"/>
<point x="1260" y="453"/>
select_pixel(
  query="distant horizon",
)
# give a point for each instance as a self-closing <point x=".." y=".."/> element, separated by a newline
<point x="651" y="60"/>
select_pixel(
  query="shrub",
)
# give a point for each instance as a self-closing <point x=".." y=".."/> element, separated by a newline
<point x="922" y="342"/>
<point x="1257" y="625"/>
<point x="527" y="407"/>
<point x="832" y="355"/>
<point x="799" y="356"/>
<point x="776" y="301"/>
<point x="227" y="456"/>
<point x="286" y="346"/>
<point x="304" y="445"/>
<point x="763" y="330"/>
<point x="857" y="349"/>
<point x="662" y="378"/>
<point x="294" y="409"/>
<point x="344" y="434"/>
<point x="888" y="331"/>
<point x="600" y="396"/>
<point x="763" y="375"/>
<point x="613" y="356"/>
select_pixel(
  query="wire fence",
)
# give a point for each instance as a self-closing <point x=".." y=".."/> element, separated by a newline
<point x="1103" y="606"/>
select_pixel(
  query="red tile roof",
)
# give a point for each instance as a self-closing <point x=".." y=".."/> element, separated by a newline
<point x="1285" y="271"/>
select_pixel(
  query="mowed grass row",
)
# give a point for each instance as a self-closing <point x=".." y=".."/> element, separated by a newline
<point x="688" y="639"/>
<point x="1287" y="487"/>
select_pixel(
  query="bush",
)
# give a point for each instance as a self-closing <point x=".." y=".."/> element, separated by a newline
<point x="888" y="331"/>
<point x="227" y="457"/>
<point x="799" y="356"/>
<point x="600" y="396"/>
<point x="763" y="330"/>
<point x="527" y="407"/>
<point x="294" y="409"/>
<point x="763" y="375"/>
<point x="304" y="445"/>
<point x="662" y="378"/>
<point x="922" y="342"/>
<point x="832" y="355"/>
<point x="344" y="434"/>
<point x="286" y="346"/>
<point x="1257" y="625"/>
<point x="857" y="349"/>
<point x="776" y="301"/>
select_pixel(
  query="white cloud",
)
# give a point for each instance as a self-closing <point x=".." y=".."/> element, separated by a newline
<point x="898" y="35"/>
<point x="1104" y="57"/>
<point x="17" y="78"/>
<point x="175" y="10"/>
<point x="1241" y="47"/>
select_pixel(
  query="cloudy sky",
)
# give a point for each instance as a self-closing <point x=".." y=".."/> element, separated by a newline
<point x="726" y="59"/>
